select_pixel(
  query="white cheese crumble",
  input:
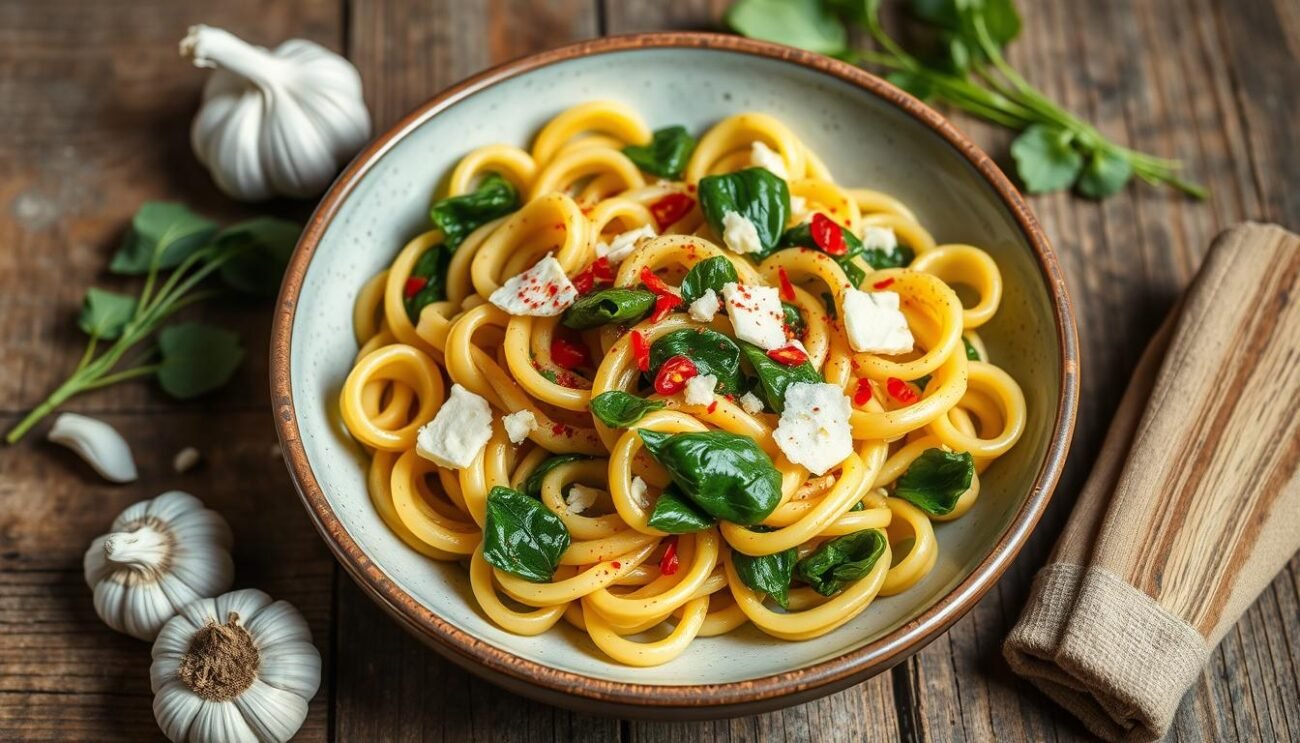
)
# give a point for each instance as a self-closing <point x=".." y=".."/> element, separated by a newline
<point x="750" y="403"/>
<point x="519" y="424"/>
<point x="873" y="322"/>
<point x="640" y="493"/>
<point x="882" y="238"/>
<point x="798" y="209"/>
<point x="458" y="432"/>
<point x="762" y="156"/>
<point x="699" y="389"/>
<point x="541" y="291"/>
<point x="581" y="497"/>
<point x="814" y="430"/>
<point x="756" y="314"/>
<point x="740" y="234"/>
<point x="704" y="308"/>
<point x="624" y="243"/>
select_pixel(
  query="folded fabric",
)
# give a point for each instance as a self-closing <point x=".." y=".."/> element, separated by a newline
<point x="1192" y="507"/>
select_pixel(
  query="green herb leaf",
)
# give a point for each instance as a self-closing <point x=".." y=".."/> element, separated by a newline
<point x="105" y="313"/>
<point x="608" y="306"/>
<point x="169" y="230"/>
<point x="533" y="483"/>
<point x="667" y="153"/>
<point x="261" y="248"/>
<point x="915" y="83"/>
<point x="839" y="562"/>
<point x="936" y="480"/>
<point x="899" y="256"/>
<point x="958" y="16"/>
<point x="754" y="193"/>
<point x="794" y="319"/>
<point x="710" y="273"/>
<point x="775" y="378"/>
<point x="770" y="574"/>
<point x="828" y="299"/>
<point x="711" y="351"/>
<point x="196" y="358"/>
<point x="1045" y="158"/>
<point x="431" y="266"/>
<point x="727" y="475"/>
<point x="800" y="236"/>
<point x="676" y="514"/>
<point x="458" y="216"/>
<point x="618" y="409"/>
<point x="805" y="24"/>
<point x="1106" y="173"/>
<point x="521" y="536"/>
<point x="972" y="354"/>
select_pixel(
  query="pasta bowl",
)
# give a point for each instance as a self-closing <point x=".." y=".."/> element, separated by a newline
<point x="867" y="132"/>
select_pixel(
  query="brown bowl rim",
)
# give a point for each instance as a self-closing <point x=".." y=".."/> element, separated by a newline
<point x="560" y="686"/>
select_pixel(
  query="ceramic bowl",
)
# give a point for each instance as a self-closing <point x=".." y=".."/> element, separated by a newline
<point x="871" y="134"/>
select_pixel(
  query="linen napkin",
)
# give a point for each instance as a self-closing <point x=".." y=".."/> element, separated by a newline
<point x="1193" y="506"/>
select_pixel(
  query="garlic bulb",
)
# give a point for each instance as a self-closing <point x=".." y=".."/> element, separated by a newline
<point x="234" y="668"/>
<point x="281" y="122"/>
<point x="162" y="554"/>
<point x="98" y="443"/>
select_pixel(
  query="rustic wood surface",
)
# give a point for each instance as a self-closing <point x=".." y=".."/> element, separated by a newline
<point x="94" y="114"/>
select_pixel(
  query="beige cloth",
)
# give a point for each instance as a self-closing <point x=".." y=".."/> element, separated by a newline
<point x="1192" y="506"/>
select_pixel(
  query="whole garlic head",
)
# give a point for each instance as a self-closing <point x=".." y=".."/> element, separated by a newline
<point x="162" y="554"/>
<point x="234" y="668"/>
<point x="281" y="122"/>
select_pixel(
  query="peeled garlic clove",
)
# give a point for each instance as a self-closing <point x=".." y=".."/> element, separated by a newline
<point x="185" y="460"/>
<point x="98" y="443"/>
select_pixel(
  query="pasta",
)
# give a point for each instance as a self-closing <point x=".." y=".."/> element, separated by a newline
<point x="574" y="384"/>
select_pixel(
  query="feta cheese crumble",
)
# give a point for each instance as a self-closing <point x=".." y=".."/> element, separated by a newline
<point x="814" y="430"/>
<point x="762" y="156"/>
<point x="740" y="234"/>
<point x="581" y="497"/>
<point x="873" y="322"/>
<point x="704" y="308"/>
<point x="541" y="291"/>
<point x="750" y="403"/>
<point x="519" y="424"/>
<point x="624" y="243"/>
<point x="882" y="238"/>
<point x="699" y="389"/>
<point x="756" y="314"/>
<point x="458" y="432"/>
<point x="640" y="493"/>
<point x="798" y="209"/>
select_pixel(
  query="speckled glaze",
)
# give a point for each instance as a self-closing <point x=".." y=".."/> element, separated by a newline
<point x="870" y="134"/>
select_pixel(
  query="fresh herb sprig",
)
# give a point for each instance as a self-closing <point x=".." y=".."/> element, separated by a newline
<point x="187" y="358"/>
<point x="1055" y="150"/>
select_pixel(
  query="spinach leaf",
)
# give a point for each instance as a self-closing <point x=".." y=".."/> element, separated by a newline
<point x="667" y="154"/>
<point x="261" y="248"/>
<point x="832" y="311"/>
<point x="457" y="216"/>
<point x="166" y="229"/>
<point x="432" y="267"/>
<point x="770" y="574"/>
<point x="196" y="358"/>
<point x="608" y="306"/>
<point x="1105" y="174"/>
<point x="727" y="475"/>
<point x="936" y="480"/>
<point x="794" y="319"/>
<point x="710" y="273"/>
<point x="775" y="378"/>
<point x="900" y="255"/>
<point x="521" y="536"/>
<point x="838" y="562"/>
<point x="754" y="193"/>
<point x="533" y="483"/>
<point x="676" y="514"/>
<point x="104" y="314"/>
<point x="711" y="351"/>
<point x="618" y="409"/>
<point x="807" y="24"/>
<point x="972" y="354"/>
<point x="1046" y="158"/>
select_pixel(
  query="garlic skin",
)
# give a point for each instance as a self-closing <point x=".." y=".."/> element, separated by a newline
<point x="281" y="122"/>
<point x="98" y="443"/>
<point x="161" y="555"/>
<point x="235" y="668"/>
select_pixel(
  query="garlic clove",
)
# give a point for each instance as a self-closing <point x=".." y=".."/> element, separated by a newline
<point x="175" y="709"/>
<point x="293" y="666"/>
<point x="243" y="603"/>
<point x="273" y="714"/>
<point x="221" y="721"/>
<point x="279" y="622"/>
<point x="98" y="443"/>
<point x="185" y="460"/>
<point x="145" y="610"/>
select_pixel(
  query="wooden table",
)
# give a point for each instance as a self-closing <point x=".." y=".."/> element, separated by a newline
<point x="95" y="108"/>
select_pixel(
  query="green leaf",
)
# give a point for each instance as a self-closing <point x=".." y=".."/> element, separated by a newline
<point x="774" y="378"/>
<point x="839" y="562"/>
<point x="800" y="236"/>
<point x="794" y="319"/>
<point x="727" y="475"/>
<point x="166" y="229"/>
<point x="936" y="480"/>
<point x="674" y="513"/>
<point x="1001" y="20"/>
<point x="711" y="351"/>
<point x="261" y="248"/>
<point x="899" y="256"/>
<point x="1045" y="159"/>
<point x="666" y="155"/>
<point x="828" y="299"/>
<point x="1106" y="174"/>
<point x="800" y="23"/>
<point x="915" y="83"/>
<point x="196" y="358"/>
<point x="431" y="266"/>
<point x="105" y="313"/>
<point x="754" y="193"/>
<point x="609" y="306"/>
<point x="971" y="353"/>
<point x="710" y="273"/>
<point x="958" y="16"/>
<point x="521" y="536"/>
<point x="458" y="216"/>
<point x="618" y="409"/>
<point x="533" y="483"/>
<point x="769" y="574"/>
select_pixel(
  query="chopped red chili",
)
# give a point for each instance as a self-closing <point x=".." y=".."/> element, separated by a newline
<point x="884" y="283"/>
<point x="617" y="565"/>
<point x="674" y="374"/>
<point x="669" y="563"/>
<point x="653" y="282"/>
<point x="712" y="407"/>
<point x="901" y="391"/>
<point x="663" y="305"/>
<point x="862" y="395"/>
<point x="787" y="289"/>
<point x="671" y="208"/>
<point x="413" y="286"/>
<point x="567" y="354"/>
<point x="828" y="235"/>
<point x="641" y="351"/>
<point x="598" y="272"/>
<point x="790" y="355"/>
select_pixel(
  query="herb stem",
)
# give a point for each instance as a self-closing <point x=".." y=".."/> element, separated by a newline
<point x="122" y="376"/>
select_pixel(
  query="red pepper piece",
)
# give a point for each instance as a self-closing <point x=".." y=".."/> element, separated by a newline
<point x="413" y="286"/>
<point x="599" y="272"/>
<point x="901" y="391"/>
<point x="787" y="289"/>
<point x="663" y="305"/>
<point x="603" y="271"/>
<point x="790" y="355"/>
<point x="862" y="395"/>
<point x="671" y="208"/>
<point x="641" y="351"/>
<point x="827" y="235"/>
<point x="883" y="284"/>
<point x="712" y="407"/>
<point x="669" y="563"/>
<point x="674" y="374"/>
<point x="653" y="282"/>
<point x="567" y="354"/>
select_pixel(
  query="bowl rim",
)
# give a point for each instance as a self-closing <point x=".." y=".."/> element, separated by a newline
<point x="558" y="685"/>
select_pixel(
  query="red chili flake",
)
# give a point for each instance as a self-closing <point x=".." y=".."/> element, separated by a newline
<point x="712" y="407"/>
<point x="669" y="563"/>
<point x="603" y="270"/>
<point x="673" y="375"/>
<point x="883" y="284"/>
<point x="828" y="235"/>
<point x="653" y="282"/>
<point x="787" y="289"/>
<point x="617" y="565"/>
<point x="790" y="355"/>
<point x="663" y="305"/>
<point x="668" y="210"/>
<point x="641" y="350"/>
<point x="901" y="391"/>
<point x="413" y="286"/>
<point x="558" y="429"/>
<point x="862" y="395"/>
<point x="569" y="355"/>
